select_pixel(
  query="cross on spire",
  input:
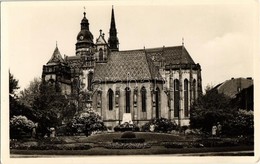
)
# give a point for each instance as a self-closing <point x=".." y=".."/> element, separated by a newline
<point x="84" y="11"/>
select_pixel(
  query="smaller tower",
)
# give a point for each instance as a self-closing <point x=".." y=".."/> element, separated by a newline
<point x="113" y="40"/>
<point x="57" y="72"/>
<point x="84" y="45"/>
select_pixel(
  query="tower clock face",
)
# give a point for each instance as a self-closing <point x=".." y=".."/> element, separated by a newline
<point x="81" y="37"/>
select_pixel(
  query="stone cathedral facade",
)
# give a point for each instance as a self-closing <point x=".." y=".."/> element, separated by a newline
<point x="145" y="83"/>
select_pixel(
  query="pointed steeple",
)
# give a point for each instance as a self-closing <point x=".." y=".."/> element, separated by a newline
<point x="56" y="57"/>
<point x="113" y="40"/>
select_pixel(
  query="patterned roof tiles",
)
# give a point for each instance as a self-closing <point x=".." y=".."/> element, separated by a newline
<point x="170" y="55"/>
<point x="125" y="66"/>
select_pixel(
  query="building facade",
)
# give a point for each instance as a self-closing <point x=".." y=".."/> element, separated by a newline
<point x="145" y="83"/>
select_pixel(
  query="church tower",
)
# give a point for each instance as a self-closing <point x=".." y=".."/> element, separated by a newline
<point x="84" y="45"/>
<point x="113" y="40"/>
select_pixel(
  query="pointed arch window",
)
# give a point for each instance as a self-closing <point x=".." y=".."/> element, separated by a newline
<point x="100" y="54"/>
<point x="143" y="96"/>
<point x="127" y="99"/>
<point x="186" y="114"/>
<point x="110" y="99"/>
<point x="194" y="89"/>
<point x="90" y="78"/>
<point x="176" y="98"/>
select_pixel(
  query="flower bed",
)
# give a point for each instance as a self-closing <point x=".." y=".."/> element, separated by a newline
<point x="53" y="147"/>
<point x="117" y="145"/>
<point x="129" y="140"/>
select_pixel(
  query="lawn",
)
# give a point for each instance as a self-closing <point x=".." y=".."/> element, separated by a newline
<point x="97" y="142"/>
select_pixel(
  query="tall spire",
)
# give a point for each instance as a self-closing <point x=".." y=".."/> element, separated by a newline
<point x="84" y="22"/>
<point x="113" y="40"/>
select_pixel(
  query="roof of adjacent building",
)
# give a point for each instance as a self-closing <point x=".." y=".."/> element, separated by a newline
<point x="170" y="55"/>
<point x="56" y="58"/>
<point x="233" y="86"/>
<point x="126" y="66"/>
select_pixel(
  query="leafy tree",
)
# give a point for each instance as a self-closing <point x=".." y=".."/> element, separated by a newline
<point x="14" y="106"/>
<point x="13" y="84"/>
<point x="209" y="109"/>
<point x="29" y="94"/>
<point x="51" y="106"/>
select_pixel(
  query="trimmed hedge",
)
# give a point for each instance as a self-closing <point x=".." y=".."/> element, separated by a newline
<point x="128" y="134"/>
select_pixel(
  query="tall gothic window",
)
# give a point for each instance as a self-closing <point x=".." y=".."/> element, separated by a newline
<point x="157" y="102"/>
<point x="127" y="99"/>
<point x="186" y="114"/>
<point x="194" y="89"/>
<point x="176" y="98"/>
<point x="90" y="78"/>
<point x="100" y="54"/>
<point x="110" y="99"/>
<point x="143" y="95"/>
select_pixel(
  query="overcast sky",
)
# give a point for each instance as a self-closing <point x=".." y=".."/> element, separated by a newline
<point x="221" y="37"/>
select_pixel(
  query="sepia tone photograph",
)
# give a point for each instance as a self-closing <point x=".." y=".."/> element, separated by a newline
<point x="129" y="82"/>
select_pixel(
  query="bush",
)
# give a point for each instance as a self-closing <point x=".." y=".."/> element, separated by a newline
<point x="161" y="125"/>
<point x="87" y="122"/>
<point x="128" y="134"/>
<point x="242" y="123"/>
<point x="126" y="127"/>
<point x="19" y="126"/>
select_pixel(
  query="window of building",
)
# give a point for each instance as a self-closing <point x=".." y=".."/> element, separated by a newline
<point x="143" y="95"/>
<point x="176" y="98"/>
<point x="194" y="89"/>
<point x="100" y="54"/>
<point x="186" y="114"/>
<point x="110" y="99"/>
<point x="127" y="99"/>
<point x="90" y="78"/>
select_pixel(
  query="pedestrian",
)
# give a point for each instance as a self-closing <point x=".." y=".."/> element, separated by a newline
<point x="214" y="130"/>
<point x="219" y="128"/>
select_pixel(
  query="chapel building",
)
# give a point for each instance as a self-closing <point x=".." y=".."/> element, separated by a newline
<point x="144" y="83"/>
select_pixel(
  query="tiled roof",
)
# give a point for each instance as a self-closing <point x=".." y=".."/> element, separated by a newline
<point x="126" y="65"/>
<point x="232" y="87"/>
<point x="56" y="58"/>
<point x="170" y="55"/>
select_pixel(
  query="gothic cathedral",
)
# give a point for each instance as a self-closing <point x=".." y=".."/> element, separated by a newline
<point x="144" y="83"/>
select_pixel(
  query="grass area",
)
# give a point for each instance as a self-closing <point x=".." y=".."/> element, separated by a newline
<point x="149" y="137"/>
<point x="97" y="142"/>
<point x="152" y="151"/>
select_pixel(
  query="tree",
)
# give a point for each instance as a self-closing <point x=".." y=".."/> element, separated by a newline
<point x="13" y="84"/>
<point x="52" y="106"/>
<point x="29" y="94"/>
<point x="14" y="106"/>
<point x="209" y="109"/>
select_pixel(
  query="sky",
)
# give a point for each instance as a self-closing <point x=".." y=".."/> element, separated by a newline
<point x="221" y="36"/>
